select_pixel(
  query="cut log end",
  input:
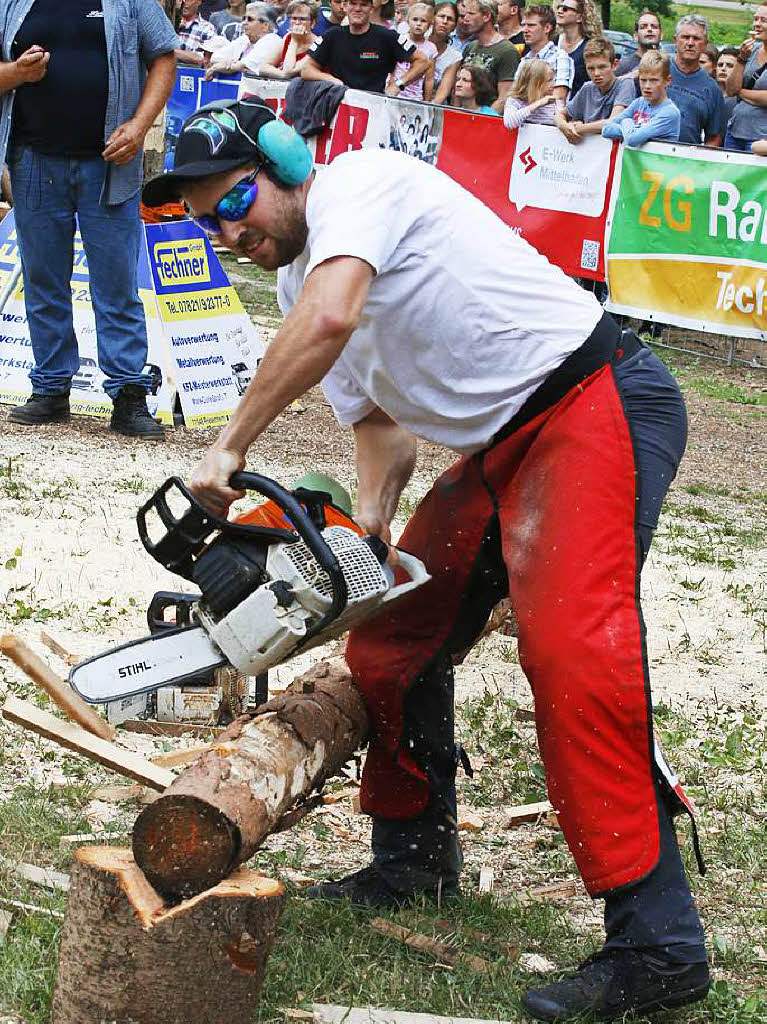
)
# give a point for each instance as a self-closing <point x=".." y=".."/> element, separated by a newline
<point x="184" y="844"/>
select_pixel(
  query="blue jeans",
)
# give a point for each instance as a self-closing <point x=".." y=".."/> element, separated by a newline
<point x="739" y="145"/>
<point x="48" y="191"/>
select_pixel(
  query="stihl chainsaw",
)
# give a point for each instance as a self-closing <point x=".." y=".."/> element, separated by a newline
<point x="289" y="575"/>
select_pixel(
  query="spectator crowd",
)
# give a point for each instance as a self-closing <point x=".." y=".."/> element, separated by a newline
<point x="537" y="63"/>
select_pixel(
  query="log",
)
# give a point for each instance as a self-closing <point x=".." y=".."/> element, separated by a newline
<point x="126" y="957"/>
<point x="219" y="810"/>
<point x="59" y="691"/>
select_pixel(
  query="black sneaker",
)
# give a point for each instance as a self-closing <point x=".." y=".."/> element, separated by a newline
<point x="130" y="415"/>
<point x="369" y="888"/>
<point x="616" y="981"/>
<point x="40" y="409"/>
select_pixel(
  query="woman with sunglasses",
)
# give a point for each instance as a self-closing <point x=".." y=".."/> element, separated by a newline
<point x="302" y="15"/>
<point x="577" y="21"/>
<point x="258" y="44"/>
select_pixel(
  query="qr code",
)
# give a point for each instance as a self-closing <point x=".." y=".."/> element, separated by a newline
<point x="590" y="255"/>
<point x="186" y="83"/>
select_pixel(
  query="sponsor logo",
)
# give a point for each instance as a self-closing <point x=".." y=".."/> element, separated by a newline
<point x="133" y="670"/>
<point x="95" y="14"/>
<point x="526" y="159"/>
<point x="370" y="55"/>
<point x="215" y="127"/>
<point x="183" y="262"/>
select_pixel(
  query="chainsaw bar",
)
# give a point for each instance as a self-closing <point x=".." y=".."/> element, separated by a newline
<point x="164" y="659"/>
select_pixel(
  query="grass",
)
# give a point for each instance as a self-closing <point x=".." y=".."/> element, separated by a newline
<point x="725" y="27"/>
<point x="328" y="953"/>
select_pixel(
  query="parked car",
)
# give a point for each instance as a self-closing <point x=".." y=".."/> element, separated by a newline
<point x="622" y="41"/>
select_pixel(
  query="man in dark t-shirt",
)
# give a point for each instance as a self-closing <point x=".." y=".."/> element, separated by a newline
<point x="362" y="55"/>
<point x="72" y="135"/>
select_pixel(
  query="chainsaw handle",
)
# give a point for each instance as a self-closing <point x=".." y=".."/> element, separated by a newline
<point x="415" y="569"/>
<point x="310" y="534"/>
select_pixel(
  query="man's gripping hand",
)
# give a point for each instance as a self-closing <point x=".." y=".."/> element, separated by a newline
<point x="32" y="65"/>
<point x="210" y="480"/>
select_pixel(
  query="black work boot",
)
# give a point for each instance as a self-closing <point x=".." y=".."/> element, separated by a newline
<point x="615" y="982"/>
<point x="369" y="888"/>
<point x="130" y="415"/>
<point x="40" y="409"/>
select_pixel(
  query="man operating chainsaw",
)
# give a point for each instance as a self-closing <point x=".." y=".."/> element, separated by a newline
<point x="423" y="315"/>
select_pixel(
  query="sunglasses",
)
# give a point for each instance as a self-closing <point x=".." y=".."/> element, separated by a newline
<point x="231" y="207"/>
<point x="567" y="7"/>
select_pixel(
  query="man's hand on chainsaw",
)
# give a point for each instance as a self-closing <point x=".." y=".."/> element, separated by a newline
<point x="209" y="482"/>
<point x="375" y="525"/>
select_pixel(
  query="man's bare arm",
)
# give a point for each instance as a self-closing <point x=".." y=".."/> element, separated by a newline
<point x="303" y="350"/>
<point x="126" y="140"/>
<point x="386" y="455"/>
<point x="312" y="72"/>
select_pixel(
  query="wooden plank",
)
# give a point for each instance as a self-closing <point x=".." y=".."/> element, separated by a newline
<point x="29" y="908"/>
<point x="55" y="644"/>
<point x="46" y="877"/>
<point x="171" y="728"/>
<point x="58" y="690"/>
<point x="91" y="837"/>
<point x="439" y="950"/>
<point x="75" y="738"/>
<point x="179" y="757"/>
<point x="526" y="812"/>
<point x="327" y="1013"/>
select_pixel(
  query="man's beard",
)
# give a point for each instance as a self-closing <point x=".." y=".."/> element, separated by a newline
<point x="285" y="243"/>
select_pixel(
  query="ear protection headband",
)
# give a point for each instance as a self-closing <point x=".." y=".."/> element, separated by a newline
<point x="288" y="159"/>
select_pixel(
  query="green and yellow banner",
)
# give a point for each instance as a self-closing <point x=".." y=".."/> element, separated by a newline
<point x="688" y="239"/>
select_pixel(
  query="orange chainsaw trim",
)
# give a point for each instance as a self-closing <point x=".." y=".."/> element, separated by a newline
<point x="271" y="515"/>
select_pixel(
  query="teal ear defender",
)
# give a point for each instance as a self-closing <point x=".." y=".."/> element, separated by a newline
<point x="290" y="160"/>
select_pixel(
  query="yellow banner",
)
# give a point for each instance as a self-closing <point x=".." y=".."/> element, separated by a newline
<point x="199" y="305"/>
<point x="725" y="294"/>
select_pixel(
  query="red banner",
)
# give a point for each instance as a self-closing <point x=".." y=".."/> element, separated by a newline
<point x="554" y="194"/>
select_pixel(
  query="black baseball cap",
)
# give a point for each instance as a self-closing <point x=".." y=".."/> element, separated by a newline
<point x="216" y="138"/>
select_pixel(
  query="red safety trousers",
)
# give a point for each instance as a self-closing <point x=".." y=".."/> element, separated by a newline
<point x="561" y="494"/>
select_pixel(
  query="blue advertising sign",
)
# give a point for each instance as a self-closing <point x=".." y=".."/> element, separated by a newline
<point x="191" y="92"/>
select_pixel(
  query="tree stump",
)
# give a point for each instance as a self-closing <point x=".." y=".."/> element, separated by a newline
<point x="127" y="958"/>
<point x="218" y="812"/>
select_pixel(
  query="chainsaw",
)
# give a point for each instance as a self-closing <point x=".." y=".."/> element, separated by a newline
<point x="288" y="576"/>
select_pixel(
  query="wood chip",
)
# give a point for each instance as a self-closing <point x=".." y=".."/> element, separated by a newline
<point x="485" y="878"/>
<point x="91" y="837"/>
<point x="556" y="892"/>
<point x="5" y="923"/>
<point x="179" y="757"/>
<point x="74" y="737"/>
<point x="46" y="877"/>
<point x="469" y="820"/>
<point x="29" y="908"/>
<point x="118" y="794"/>
<point x="524" y="715"/>
<point x="439" y="950"/>
<point x="293" y="1014"/>
<point x="340" y="794"/>
<point x="60" y="647"/>
<point x="536" y="963"/>
<point x="526" y="812"/>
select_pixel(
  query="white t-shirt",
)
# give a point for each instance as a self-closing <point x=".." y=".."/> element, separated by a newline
<point x="463" y="319"/>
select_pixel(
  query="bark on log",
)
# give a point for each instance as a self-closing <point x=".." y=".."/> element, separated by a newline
<point x="219" y="811"/>
<point x="126" y="958"/>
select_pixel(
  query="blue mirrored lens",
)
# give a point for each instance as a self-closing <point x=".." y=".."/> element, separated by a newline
<point x="237" y="201"/>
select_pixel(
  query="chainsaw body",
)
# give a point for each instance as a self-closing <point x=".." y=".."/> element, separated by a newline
<point x="267" y="592"/>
